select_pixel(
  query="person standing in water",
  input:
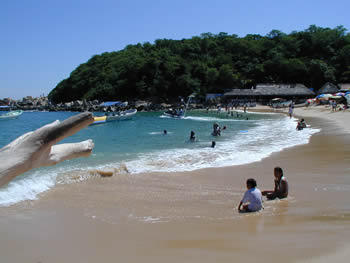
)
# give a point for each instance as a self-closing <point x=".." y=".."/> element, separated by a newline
<point x="290" y="111"/>
<point x="192" y="136"/>
<point x="216" y="130"/>
<point x="281" y="186"/>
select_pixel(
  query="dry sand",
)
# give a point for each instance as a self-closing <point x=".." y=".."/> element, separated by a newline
<point x="192" y="217"/>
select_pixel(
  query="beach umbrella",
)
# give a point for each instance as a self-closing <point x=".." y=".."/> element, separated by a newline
<point x="324" y="96"/>
<point x="339" y="94"/>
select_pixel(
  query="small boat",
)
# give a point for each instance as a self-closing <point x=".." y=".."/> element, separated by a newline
<point x="11" y="115"/>
<point x="178" y="114"/>
<point x="98" y="120"/>
<point x="121" y="115"/>
<point x="174" y="114"/>
<point x="115" y="116"/>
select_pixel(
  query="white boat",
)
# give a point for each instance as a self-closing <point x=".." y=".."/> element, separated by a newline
<point x="121" y="115"/>
<point x="115" y="116"/>
<point x="171" y="114"/>
<point x="11" y="115"/>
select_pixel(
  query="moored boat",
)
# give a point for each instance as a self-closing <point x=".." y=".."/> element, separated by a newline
<point x="178" y="113"/>
<point x="115" y="116"/>
<point x="174" y="114"/>
<point x="121" y="115"/>
<point x="11" y="115"/>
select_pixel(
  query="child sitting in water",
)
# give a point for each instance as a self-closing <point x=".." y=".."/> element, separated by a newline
<point x="252" y="199"/>
<point x="281" y="186"/>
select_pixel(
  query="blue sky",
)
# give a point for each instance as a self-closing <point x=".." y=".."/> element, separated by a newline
<point x="42" y="41"/>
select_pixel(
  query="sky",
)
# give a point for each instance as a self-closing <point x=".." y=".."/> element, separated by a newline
<point x="43" y="41"/>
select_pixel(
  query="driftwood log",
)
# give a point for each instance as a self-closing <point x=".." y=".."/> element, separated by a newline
<point x="37" y="148"/>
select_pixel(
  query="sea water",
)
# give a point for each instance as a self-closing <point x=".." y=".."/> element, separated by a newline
<point x="141" y="146"/>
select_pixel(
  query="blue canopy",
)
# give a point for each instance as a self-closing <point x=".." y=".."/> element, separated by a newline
<point x="4" y="106"/>
<point x="110" y="103"/>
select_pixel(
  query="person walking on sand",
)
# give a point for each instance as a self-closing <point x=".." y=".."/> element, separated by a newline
<point x="334" y="105"/>
<point x="252" y="199"/>
<point x="281" y="186"/>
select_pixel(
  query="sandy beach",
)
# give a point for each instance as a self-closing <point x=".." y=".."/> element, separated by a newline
<point x="192" y="216"/>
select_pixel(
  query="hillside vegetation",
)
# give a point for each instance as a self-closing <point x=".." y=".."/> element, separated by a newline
<point x="211" y="63"/>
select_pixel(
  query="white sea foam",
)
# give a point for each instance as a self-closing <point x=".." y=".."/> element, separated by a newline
<point x="268" y="137"/>
<point x="26" y="187"/>
<point x="159" y="133"/>
<point x="210" y="119"/>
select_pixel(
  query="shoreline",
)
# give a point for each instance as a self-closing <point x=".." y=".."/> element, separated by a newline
<point x="189" y="216"/>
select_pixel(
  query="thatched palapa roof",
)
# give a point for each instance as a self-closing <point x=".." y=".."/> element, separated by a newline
<point x="240" y="92"/>
<point x="273" y="90"/>
<point x="328" y="88"/>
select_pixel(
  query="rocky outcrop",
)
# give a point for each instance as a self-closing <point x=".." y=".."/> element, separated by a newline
<point x="43" y="104"/>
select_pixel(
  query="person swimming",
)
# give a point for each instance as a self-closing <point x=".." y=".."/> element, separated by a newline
<point x="165" y="132"/>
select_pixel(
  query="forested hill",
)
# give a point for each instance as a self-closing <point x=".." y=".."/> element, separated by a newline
<point x="211" y="64"/>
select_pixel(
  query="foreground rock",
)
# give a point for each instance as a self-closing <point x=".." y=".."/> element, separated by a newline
<point x="37" y="148"/>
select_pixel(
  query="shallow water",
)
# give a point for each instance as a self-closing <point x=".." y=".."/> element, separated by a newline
<point x="140" y="146"/>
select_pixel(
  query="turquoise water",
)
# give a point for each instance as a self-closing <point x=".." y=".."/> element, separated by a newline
<point x="140" y="145"/>
<point x="125" y="140"/>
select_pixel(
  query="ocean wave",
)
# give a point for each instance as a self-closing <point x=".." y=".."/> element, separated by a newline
<point x="211" y="119"/>
<point x="27" y="187"/>
<point x="244" y="147"/>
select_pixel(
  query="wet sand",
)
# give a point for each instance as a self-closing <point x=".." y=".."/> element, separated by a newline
<point x="192" y="217"/>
